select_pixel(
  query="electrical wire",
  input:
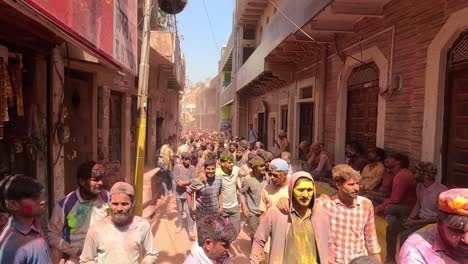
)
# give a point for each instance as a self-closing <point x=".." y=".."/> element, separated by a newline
<point x="211" y="27"/>
<point x="317" y="42"/>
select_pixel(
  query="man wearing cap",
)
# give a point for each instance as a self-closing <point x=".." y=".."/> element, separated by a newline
<point x="277" y="189"/>
<point x="448" y="241"/>
<point x="121" y="238"/>
<point x="75" y="213"/>
<point x="183" y="175"/>
<point x="423" y="213"/>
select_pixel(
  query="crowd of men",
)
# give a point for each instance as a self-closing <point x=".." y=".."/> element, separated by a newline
<point x="219" y="182"/>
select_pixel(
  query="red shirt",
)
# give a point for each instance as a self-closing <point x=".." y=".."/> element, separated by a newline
<point x="403" y="190"/>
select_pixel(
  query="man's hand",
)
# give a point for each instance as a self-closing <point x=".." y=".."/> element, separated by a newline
<point x="283" y="205"/>
<point x="220" y="211"/>
<point x="245" y="211"/>
<point x="178" y="183"/>
<point x="193" y="214"/>
<point x="202" y="177"/>
<point x="409" y="223"/>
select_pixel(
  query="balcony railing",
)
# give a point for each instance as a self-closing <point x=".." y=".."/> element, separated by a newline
<point x="226" y="57"/>
<point x="226" y="95"/>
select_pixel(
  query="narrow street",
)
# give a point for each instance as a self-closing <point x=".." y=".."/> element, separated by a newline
<point x="174" y="247"/>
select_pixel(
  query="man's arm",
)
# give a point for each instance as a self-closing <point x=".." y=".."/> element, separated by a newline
<point x="89" y="254"/>
<point x="260" y="238"/>
<point x="398" y="190"/>
<point x="370" y="235"/>
<point x="55" y="234"/>
<point x="151" y="255"/>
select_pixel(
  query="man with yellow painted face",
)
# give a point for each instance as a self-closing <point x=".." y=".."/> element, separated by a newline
<point x="300" y="237"/>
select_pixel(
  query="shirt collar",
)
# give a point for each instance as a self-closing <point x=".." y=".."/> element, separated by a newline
<point x="294" y="211"/>
<point x="25" y="229"/>
<point x="356" y="202"/>
<point x="81" y="200"/>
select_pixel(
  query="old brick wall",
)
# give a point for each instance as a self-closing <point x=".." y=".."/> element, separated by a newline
<point x="416" y="22"/>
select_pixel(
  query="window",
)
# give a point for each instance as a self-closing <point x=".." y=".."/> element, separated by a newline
<point x="249" y="31"/>
<point x="247" y="51"/>
<point x="307" y="92"/>
<point x="284" y="118"/>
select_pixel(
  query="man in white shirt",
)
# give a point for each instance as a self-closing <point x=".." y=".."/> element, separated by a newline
<point x="120" y="238"/>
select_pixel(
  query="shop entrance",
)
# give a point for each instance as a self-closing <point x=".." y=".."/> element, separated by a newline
<point x="78" y="107"/>
<point x="455" y="151"/>
<point x="361" y="118"/>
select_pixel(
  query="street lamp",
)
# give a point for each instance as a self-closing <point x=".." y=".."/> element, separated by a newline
<point x="171" y="7"/>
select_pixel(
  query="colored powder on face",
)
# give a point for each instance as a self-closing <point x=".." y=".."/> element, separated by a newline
<point x="27" y="209"/>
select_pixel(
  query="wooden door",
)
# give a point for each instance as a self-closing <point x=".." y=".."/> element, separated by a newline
<point x="115" y="127"/>
<point x="306" y="122"/>
<point x="456" y="131"/>
<point x="261" y="128"/>
<point x="362" y="103"/>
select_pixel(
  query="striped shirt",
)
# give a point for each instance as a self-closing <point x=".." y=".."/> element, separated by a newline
<point x="206" y="195"/>
<point x="352" y="228"/>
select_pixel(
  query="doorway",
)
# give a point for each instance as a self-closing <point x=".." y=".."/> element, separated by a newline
<point x="306" y="122"/>
<point x="362" y="105"/>
<point x="115" y="127"/>
<point x="455" y="138"/>
<point x="261" y="127"/>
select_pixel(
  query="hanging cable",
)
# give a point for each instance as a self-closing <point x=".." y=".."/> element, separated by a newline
<point x="211" y="27"/>
<point x="314" y="40"/>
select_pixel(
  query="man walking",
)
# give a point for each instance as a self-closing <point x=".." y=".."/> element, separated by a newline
<point x="120" y="238"/>
<point x="301" y="236"/>
<point x="183" y="175"/>
<point x="253" y="136"/>
<point x="230" y="185"/>
<point x="76" y="212"/>
<point x="214" y="240"/>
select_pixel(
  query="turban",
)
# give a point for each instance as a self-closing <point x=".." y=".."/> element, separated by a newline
<point x="426" y="169"/>
<point x="454" y="201"/>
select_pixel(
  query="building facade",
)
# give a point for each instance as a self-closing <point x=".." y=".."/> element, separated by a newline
<point x="386" y="73"/>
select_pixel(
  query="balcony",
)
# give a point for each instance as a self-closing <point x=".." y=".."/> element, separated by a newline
<point x="168" y="55"/>
<point x="250" y="10"/>
<point x="279" y="29"/>
<point x="225" y="64"/>
<point x="226" y="95"/>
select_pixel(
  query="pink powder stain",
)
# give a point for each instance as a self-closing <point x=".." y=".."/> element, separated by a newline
<point x="27" y="209"/>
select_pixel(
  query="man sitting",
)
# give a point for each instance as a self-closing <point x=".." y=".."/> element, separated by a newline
<point x="354" y="153"/>
<point x="423" y="213"/>
<point x="372" y="173"/>
<point x="448" y="241"/>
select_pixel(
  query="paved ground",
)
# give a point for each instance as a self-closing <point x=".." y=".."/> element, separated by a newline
<point x="172" y="247"/>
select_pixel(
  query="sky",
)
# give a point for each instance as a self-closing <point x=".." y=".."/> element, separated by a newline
<point x="198" y="46"/>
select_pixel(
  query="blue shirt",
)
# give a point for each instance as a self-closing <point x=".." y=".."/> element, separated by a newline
<point x="22" y="244"/>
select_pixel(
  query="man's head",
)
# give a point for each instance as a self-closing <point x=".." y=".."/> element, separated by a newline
<point x="215" y="235"/>
<point x="396" y="161"/>
<point x="210" y="168"/>
<point x="316" y="148"/>
<point x="278" y="170"/>
<point x="304" y="146"/>
<point x="121" y="203"/>
<point x="346" y="180"/>
<point x="227" y="161"/>
<point x="376" y="154"/>
<point x="353" y="149"/>
<point x="258" y="165"/>
<point x="22" y="196"/>
<point x="286" y="156"/>
<point x="425" y="172"/>
<point x="240" y="152"/>
<point x="281" y="134"/>
<point x="303" y="192"/>
<point x="453" y="221"/>
<point x="251" y="126"/>
<point x="186" y="158"/>
<point x="259" y="145"/>
<point x="89" y="178"/>
<point x="232" y="147"/>
<point x="267" y="157"/>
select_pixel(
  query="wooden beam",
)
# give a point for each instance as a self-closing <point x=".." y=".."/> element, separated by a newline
<point x="367" y="9"/>
<point x="331" y="26"/>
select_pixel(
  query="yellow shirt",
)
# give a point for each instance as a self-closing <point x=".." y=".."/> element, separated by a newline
<point x="370" y="178"/>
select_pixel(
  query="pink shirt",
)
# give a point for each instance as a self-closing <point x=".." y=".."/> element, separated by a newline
<point x="426" y="247"/>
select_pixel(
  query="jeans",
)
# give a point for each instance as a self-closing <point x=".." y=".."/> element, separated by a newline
<point x="182" y="206"/>
<point x="395" y="216"/>
<point x="233" y="214"/>
<point x="165" y="181"/>
<point x="254" y="221"/>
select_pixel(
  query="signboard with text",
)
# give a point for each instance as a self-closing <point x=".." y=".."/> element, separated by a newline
<point x="107" y="27"/>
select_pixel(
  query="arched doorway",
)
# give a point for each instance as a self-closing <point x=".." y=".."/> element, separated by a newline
<point x="455" y="138"/>
<point x="362" y="105"/>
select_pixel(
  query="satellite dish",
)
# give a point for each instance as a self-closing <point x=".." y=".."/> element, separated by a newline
<point x="172" y="6"/>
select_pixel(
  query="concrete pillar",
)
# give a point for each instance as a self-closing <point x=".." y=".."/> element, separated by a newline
<point x="126" y="138"/>
<point x="56" y="149"/>
<point x="105" y="122"/>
